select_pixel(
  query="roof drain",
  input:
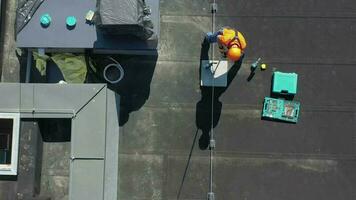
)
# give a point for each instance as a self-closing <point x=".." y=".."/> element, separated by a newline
<point x="113" y="73"/>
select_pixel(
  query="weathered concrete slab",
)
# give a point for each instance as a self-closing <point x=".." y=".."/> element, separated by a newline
<point x="55" y="170"/>
<point x="175" y="82"/>
<point x="29" y="160"/>
<point x="10" y="67"/>
<point x="251" y="178"/>
<point x="241" y="130"/>
<point x="141" y="177"/>
<point x="333" y="85"/>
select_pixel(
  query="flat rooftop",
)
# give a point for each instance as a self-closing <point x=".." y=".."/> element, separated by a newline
<point x="164" y="110"/>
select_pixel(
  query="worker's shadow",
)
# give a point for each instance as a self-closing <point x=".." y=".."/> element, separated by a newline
<point x="204" y="113"/>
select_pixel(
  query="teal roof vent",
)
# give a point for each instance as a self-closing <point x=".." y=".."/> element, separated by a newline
<point x="71" y="21"/>
<point x="45" y="20"/>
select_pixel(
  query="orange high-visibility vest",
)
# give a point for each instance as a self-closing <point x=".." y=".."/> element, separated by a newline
<point x="230" y="37"/>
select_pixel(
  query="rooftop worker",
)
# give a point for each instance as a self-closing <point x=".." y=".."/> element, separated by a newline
<point x="231" y="42"/>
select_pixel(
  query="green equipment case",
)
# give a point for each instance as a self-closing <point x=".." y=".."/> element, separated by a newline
<point x="280" y="109"/>
<point x="285" y="83"/>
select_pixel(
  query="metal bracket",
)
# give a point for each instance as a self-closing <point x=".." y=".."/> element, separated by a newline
<point x="212" y="144"/>
<point x="211" y="196"/>
<point x="147" y="10"/>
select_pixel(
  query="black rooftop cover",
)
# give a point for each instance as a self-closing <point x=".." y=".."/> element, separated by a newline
<point x="125" y="17"/>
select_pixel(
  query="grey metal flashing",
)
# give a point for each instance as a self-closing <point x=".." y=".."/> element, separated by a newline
<point x="95" y="130"/>
<point x="112" y="146"/>
<point x="88" y="128"/>
<point x="86" y="180"/>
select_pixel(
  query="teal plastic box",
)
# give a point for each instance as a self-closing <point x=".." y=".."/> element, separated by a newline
<point x="279" y="109"/>
<point x="284" y="83"/>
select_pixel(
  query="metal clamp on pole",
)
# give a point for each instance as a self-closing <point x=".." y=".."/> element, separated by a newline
<point x="212" y="144"/>
<point x="214" y="7"/>
<point x="72" y="158"/>
<point x="211" y="196"/>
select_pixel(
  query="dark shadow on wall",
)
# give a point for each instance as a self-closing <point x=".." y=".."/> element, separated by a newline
<point x="204" y="106"/>
<point x="55" y="129"/>
<point x="134" y="88"/>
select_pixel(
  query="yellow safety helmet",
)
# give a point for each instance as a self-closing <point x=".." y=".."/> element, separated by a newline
<point x="234" y="53"/>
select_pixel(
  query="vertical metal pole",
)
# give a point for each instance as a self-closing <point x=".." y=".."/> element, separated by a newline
<point x="211" y="195"/>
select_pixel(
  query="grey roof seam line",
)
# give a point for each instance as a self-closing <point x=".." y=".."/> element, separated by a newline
<point x="301" y="16"/>
<point x="230" y="106"/>
<point x="270" y="62"/>
<point x="54" y="111"/>
<point x="247" y="155"/>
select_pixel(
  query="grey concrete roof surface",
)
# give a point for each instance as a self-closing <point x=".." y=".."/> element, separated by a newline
<point x="255" y="159"/>
<point x="165" y="112"/>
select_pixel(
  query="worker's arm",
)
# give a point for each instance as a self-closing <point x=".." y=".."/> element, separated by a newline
<point x="213" y="37"/>
<point x="242" y="40"/>
<point x="219" y="34"/>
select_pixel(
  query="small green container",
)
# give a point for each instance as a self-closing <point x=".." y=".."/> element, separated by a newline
<point x="45" y="20"/>
<point x="285" y="83"/>
<point x="71" y="21"/>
